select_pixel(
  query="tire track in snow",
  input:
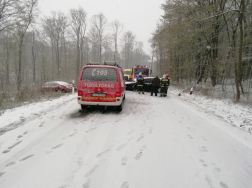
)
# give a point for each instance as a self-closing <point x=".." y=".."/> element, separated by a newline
<point x="2" y="173"/>
<point x="25" y="158"/>
<point x="11" y="147"/>
<point x="124" y="161"/>
<point x="121" y="147"/>
<point x="125" y="185"/>
<point x="103" y="153"/>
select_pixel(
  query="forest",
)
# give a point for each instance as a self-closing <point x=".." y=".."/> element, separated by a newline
<point x="35" y="48"/>
<point x="206" y="41"/>
<point x="195" y="41"/>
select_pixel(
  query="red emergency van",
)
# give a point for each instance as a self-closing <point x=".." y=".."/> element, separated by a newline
<point x="101" y="85"/>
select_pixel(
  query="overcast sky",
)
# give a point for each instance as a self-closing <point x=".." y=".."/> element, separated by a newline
<point x="139" y="16"/>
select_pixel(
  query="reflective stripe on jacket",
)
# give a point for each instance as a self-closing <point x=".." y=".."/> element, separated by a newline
<point x="164" y="82"/>
<point x="140" y="81"/>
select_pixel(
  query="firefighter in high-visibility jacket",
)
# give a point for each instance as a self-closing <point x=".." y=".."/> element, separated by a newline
<point x="164" y="86"/>
<point x="140" y="83"/>
<point x="168" y="83"/>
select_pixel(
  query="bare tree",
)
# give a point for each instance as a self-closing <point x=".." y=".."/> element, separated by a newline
<point x="9" y="11"/>
<point x="128" y="40"/>
<point x="117" y="28"/>
<point x="138" y="53"/>
<point x="42" y="45"/>
<point x="7" y="45"/>
<point x="34" y="56"/>
<point x="55" y="28"/>
<point x="27" y="16"/>
<point x="153" y="47"/>
<point x="241" y="38"/>
<point x="79" y="25"/>
<point x="94" y="40"/>
<point x="107" y="45"/>
<point x="98" y="24"/>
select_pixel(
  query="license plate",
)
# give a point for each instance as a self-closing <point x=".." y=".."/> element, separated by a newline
<point x="99" y="94"/>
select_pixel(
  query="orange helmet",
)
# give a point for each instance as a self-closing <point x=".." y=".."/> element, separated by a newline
<point x="167" y="76"/>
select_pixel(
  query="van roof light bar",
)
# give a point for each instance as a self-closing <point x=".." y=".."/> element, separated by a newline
<point x="109" y="63"/>
<point x="93" y="63"/>
<point x="114" y="63"/>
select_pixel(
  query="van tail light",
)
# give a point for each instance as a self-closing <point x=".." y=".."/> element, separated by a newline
<point x="118" y="94"/>
<point x="80" y="93"/>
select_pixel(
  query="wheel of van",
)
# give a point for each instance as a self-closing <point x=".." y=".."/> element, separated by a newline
<point x="83" y="107"/>
<point x="124" y="97"/>
<point x="63" y="91"/>
<point x="119" y="108"/>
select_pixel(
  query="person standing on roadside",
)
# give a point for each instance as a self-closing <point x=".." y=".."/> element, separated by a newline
<point x="168" y="83"/>
<point x="155" y="85"/>
<point x="140" y="83"/>
<point x="163" y="84"/>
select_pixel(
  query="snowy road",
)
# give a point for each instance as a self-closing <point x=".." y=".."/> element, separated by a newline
<point x="153" y="143"/>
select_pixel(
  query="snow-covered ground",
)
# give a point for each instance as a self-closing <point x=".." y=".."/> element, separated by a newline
<point x="234" y="113"/>
<point x="179" y="141"/>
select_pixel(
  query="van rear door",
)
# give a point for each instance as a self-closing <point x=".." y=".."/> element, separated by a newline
<point x="99" y="84"/>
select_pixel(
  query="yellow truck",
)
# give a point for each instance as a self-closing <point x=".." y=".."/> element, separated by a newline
<point x="128" y="74"/>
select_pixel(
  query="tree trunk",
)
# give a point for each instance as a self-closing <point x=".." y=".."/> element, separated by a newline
<point x="33" y="58"/>
<point x="239" y="73"/>
<point x="19" y="76"/>
<point x="43" y="64"/>
<point x="58" y="59"/>
<point x="7" y="66"/>
<point x="100" y="52"/>
<point x="78" y="59"/>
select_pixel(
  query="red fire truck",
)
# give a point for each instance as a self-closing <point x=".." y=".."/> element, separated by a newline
<point x="131" y="85"/>
<point x="143" y="69"/>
